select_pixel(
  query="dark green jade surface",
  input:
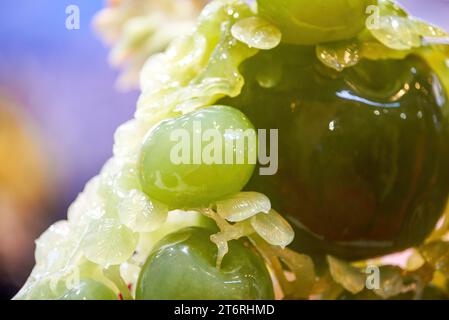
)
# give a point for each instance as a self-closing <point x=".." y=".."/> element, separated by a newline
<point x="90" y="290"/>
<point x="363" y="153"/>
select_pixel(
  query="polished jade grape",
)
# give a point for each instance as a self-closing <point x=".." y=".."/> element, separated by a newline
<point x="371" y="295"/>
<point x="194" y="159"/>
<point x="306" y="22"/>
<point x="183" y="266"/>
<point x="90" y="290"/>
<point x="363" y="153"/>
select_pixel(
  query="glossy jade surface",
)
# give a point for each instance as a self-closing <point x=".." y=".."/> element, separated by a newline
<point x="90" y="290"/>
<point x="184" y="161"/>
<point x="363" y="154"/>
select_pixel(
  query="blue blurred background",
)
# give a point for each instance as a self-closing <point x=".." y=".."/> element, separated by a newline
<point x="62" y="81"/>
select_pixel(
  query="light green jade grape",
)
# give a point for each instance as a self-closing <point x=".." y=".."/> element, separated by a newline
<point x="195" y="159"/>
<point x="306" y="22"/>
<point x="182" y="266"/>
<point x="331" y="87"/>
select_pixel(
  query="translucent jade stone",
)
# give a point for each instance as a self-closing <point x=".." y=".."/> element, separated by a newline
<point x="197" y="171"/>
<point x="306" y="22"/>
<point x="363" y="154"/>
<point x="182" y="266"/>
<point x="90" y="290"/>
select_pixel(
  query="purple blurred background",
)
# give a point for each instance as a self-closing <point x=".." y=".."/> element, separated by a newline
<point x="62" y="79"/>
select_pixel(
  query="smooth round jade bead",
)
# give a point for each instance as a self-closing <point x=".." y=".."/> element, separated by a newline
<point x="90" y="290"/>
<point x="195" y="159"/>
<point x="363" y="153"/>
<point x="183" y="267"/>
<point x="306" y="22"/>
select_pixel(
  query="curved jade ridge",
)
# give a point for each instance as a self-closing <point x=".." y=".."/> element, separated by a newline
<point x="363" y="154"/>
<point x="90" y="290"/>
<point x="183" y="266"/>
<point x="195" y="181"/>
<point x="306" y="22"/>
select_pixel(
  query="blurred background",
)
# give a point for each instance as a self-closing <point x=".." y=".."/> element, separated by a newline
<point x="59" y="108"/>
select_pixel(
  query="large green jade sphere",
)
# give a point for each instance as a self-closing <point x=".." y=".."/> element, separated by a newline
<point x="363" y="154"/>
<point x="197" y="158"/>
<point x="183" y="267"/>
<point x="307" y="22"/>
